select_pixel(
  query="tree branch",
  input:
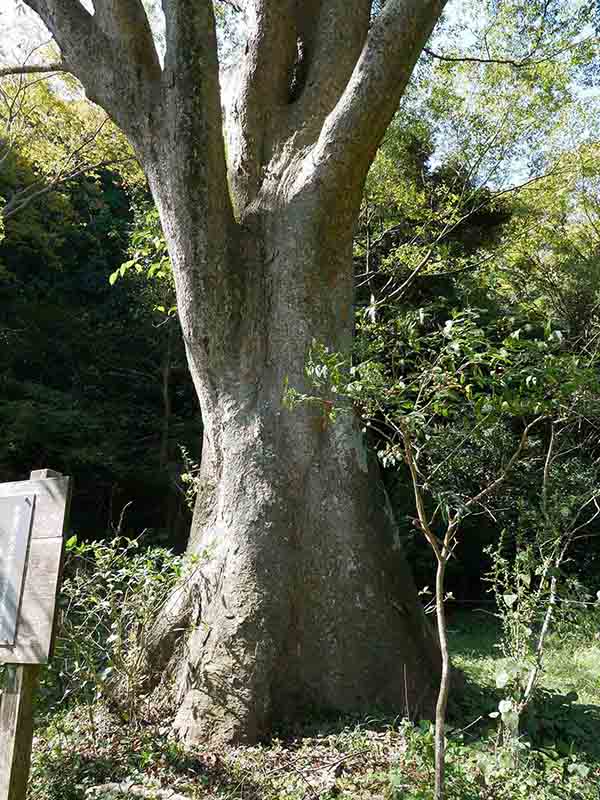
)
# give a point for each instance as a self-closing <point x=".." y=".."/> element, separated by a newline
<point x="127" y="21"/>
<point x="73" y="28"/>
<point x="257" y="90"/>
<point x="116" y="72"/>
<point x="184" y="160"/>
<point x="332" y="42"/>
<point x="525" y="62"/>
<point x="546" y="474"/>
<point x="352" y="133"/>
<point x="520" y="63"/>
<point x="476" y="500"/>
<point x="418" y="494"/>
<point x="191" y="128"/>
<point x="33" y="69"/>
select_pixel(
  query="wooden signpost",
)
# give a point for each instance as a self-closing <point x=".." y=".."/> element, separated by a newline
<point x="33" y="516"/>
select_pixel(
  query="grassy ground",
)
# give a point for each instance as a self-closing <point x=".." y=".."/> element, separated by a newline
<point x="367" y="759"/>
<point x="572" y="663"/>
<point x="564" y="719"/>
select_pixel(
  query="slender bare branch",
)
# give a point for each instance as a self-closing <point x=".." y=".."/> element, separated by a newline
<point x="33" y="69"/>
<point x="539" y="652"/>
<point x="573" y="526"/>
<point x="546" y="475"/>
<point x="527" y="60"/>
<point x="418" y="494"/>
<point x="476" y="500"/>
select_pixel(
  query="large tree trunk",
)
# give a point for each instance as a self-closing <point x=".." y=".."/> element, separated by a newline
<point x="306" y="601"/>
<point x="304" y="596"/>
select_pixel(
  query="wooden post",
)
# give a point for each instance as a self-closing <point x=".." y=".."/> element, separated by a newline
<point x="21" y="679"/>
<point x="16" y="729"/>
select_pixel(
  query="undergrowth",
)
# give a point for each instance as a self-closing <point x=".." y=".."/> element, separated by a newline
<point x="556" y="758"/>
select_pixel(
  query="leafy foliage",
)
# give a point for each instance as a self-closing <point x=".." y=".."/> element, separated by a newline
<point x="112" y="595"/>
<point x="84" y="366"/>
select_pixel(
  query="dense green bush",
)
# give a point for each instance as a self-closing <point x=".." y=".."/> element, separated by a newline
<point x="111" y="597"/>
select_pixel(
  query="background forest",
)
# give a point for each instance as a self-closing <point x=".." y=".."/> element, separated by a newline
<point x="477" y="267"/>
<point x="93" y="377"/>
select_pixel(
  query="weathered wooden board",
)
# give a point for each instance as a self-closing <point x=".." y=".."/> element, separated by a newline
<point x="15" y="527"/>
<point x="35" y="625"/>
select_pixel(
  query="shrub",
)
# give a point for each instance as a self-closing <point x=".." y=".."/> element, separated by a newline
<point x="111" y="597"/>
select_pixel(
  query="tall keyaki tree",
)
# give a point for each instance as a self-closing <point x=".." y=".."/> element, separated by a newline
<point x="303" y="598"/>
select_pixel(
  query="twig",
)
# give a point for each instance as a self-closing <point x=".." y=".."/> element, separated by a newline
<point x="526" y="61"/>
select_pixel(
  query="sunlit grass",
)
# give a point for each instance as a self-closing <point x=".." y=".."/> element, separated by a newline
<point x="568" y="666"/>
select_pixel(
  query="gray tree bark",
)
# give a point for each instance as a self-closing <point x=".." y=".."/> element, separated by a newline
<point x="304" y="596"/>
